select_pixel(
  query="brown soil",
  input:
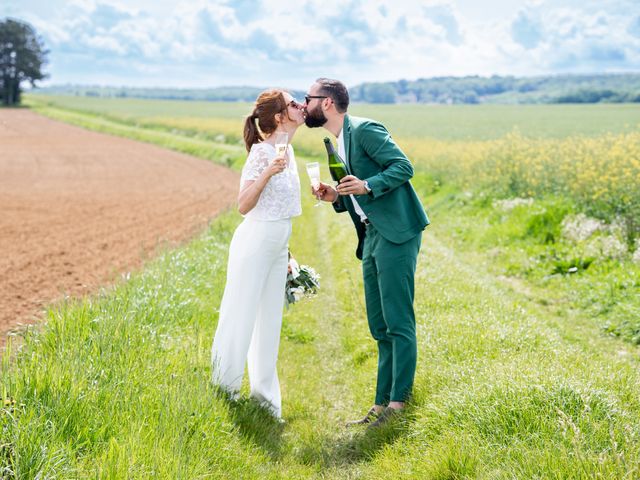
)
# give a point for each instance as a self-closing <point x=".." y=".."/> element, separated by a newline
<point x="78" y="209"/>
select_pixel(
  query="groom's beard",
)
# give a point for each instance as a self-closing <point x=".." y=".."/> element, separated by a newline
<point x="315" y="118"/>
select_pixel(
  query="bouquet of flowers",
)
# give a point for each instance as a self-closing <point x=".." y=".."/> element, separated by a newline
<point x="302" y="281"/>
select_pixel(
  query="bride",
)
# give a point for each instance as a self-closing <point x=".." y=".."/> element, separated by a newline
<point x="251" y="309"/>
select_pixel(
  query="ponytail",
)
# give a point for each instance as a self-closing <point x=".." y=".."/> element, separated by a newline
<point x="268" y="104"/>
<point x="251" y="132"/>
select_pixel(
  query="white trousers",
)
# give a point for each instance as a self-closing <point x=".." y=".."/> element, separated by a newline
<point x="251" y="311"/>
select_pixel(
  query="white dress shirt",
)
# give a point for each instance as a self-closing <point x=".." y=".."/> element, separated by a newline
<point x="341" y="152"/>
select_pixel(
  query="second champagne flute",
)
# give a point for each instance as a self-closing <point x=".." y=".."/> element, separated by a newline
<point x="313" y="170"/>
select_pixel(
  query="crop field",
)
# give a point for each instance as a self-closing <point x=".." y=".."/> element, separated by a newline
<point x="527" y="302"/>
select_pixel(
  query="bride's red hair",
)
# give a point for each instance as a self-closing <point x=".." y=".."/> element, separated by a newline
<point x="268" y="104"/>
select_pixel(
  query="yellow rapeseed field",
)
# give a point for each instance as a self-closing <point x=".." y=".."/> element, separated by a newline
<point x="602" y="169"/>
<point x="598" y="173"/>
<point x="601" y="174"/>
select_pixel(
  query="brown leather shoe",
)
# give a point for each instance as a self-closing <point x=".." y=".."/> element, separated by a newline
<point x="368" y="418"/>
<point x="388" y="415"/>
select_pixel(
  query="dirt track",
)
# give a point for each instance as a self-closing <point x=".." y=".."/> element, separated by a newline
<point x="78" y="208"/>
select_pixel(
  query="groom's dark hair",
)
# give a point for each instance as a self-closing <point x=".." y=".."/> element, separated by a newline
<point x="337" y="91"/>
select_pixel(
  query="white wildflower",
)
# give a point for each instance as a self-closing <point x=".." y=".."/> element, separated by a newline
<point x="636" y="254"/>
<point x="580" y="227"/>
<point x="607" y="246"/>
<point x="618" y="228"/>
<point x="511" y="203"/>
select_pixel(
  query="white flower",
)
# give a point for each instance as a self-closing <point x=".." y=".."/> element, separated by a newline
<point x="580" y="227"/>
<point x="511" y="203"/>
<point x="298" y="293"/>
<point x="312" y="273"/>
<point x="608" y="246"/>
<point x="302" y="281"/>
<point x="636" y="254"/>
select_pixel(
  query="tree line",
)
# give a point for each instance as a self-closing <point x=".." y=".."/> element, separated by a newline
<point x="22" y="57"/>
<point x="438" y="90"/>
<point x="504" y="89"/>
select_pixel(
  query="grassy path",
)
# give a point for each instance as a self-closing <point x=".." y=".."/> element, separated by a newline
<point x="508" y="386"/>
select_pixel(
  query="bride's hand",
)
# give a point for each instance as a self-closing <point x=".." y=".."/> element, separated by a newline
<point x="276" y="166"/>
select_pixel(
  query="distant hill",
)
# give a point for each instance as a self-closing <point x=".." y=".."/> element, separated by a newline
<point x="606" y="88"/>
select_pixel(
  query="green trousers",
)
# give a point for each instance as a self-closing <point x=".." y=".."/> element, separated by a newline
<point x="389" y="271"/>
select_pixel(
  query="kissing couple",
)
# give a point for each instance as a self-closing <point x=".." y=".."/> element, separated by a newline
<point x="389" y="220"/>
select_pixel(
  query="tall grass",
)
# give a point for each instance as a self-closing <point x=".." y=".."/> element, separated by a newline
<point x="117" y="385"/>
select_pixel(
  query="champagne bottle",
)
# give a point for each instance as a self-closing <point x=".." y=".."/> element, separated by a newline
<point x="337" y="167"/>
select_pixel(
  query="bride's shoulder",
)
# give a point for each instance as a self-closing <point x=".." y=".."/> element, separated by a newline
<point x="260" y="146"/>
<point x="260" y="149"/>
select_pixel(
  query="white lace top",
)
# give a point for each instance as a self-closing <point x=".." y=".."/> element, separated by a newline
<point x="281" y="196"/>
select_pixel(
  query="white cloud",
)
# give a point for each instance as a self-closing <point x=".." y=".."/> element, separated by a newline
<point x="559" y="40"/>
<point x="526" y="31"/>
<point x="444" y="16"/>
<point x="206" y="42"/>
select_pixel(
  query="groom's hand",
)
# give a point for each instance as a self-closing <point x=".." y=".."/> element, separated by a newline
<point x="351" y="185"/>
<point x="325" y="192"/>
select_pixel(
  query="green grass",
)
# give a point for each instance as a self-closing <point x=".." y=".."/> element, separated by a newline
<point x="136" y="108"/>
<point x="488" y="122"/>
<point x="524" y="248"/>
<point x="516" y="378"/>
<point x="117" y="386"/>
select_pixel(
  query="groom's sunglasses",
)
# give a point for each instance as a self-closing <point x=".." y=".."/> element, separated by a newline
<point x="307" y="98"/>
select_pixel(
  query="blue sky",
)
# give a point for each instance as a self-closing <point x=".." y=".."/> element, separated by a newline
<point x="205" y="43"/>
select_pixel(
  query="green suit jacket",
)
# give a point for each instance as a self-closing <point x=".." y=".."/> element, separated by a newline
<point x="392" y="206"/>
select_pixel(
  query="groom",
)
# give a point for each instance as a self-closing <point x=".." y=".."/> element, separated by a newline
<point x="389" y="221"/>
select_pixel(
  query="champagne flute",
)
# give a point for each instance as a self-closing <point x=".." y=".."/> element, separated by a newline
<point x="282" y="140"/>
<point x="313" y="170"/>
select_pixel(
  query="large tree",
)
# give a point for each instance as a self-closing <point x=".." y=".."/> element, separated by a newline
<point x="22" y="57"/>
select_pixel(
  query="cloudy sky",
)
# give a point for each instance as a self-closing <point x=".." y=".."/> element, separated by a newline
<point x="205" y="43"/>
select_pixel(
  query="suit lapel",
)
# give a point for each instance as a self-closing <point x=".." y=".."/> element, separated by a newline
<point x="346" y="127"/>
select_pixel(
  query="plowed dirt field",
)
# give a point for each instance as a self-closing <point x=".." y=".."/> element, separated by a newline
<point x="79" y="208"/>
